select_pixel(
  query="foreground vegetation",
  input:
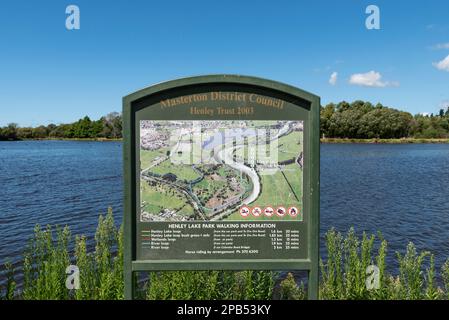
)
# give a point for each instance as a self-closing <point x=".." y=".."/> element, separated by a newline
<point x="343" y="273"/>
<point x="356" y="120"/>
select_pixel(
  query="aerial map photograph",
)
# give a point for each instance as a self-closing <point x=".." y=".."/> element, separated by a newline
<point x="209" y="170"/>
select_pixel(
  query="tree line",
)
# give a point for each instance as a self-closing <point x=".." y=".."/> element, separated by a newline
<point x="107" y="127"/>
<point x="356" y="120"/>
<point x="363" y="120"/>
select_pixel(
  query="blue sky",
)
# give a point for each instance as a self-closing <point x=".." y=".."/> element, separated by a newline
<point x="49" y="74"/>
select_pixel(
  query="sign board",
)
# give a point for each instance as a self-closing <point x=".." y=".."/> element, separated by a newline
<point x="221" y="172"/>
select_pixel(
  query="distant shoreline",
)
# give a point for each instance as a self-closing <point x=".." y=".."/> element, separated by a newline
<point x="322" y="140"/>
<point x="384" y="141"/>
<point x="67" y="139"/>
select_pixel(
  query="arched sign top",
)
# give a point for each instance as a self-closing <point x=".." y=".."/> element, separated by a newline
<point x="221" y="172"/>
<point x="222" y="79"/>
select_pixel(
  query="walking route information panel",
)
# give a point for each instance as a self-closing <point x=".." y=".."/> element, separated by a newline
<point x="221" y="170"/>
<point x="228" y="189"/>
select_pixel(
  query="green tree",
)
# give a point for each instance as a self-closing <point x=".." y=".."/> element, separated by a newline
<point x="326" y="114"/>
<point x="10" y="132"/>
<point x="82" y="128"/>
<point x="40" y="132"/>
<point x="25" y="133"/>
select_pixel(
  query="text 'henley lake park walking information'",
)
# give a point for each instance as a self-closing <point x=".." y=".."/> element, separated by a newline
<point x="221" y="189"/>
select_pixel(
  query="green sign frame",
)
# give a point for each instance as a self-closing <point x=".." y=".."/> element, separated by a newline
<point x="308" y="106"/>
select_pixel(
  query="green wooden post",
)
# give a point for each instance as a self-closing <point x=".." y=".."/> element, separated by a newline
<point x="313" y="285"/>
<point x="128" y="232"/>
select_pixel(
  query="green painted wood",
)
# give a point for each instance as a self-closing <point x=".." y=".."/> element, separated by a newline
<point x="127" y="201"/>
<point x="222" y="265"/>
<point x="314" y="246"/>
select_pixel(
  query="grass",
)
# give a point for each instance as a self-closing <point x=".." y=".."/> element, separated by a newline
<point x="147" y="156"/>
<point x="182" y="172"/>
<point x="165" y="198"/>
<point x="276" y="192"/>
<point x="294" y="177"/>
<point x="342" y="276"/>
<point x="289" y="146"/>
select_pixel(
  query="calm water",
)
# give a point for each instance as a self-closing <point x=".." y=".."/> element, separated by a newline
<point x="401" y="190"/>
<point x="55" y="182"/>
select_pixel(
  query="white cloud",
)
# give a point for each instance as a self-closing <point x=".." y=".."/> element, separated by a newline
<point x="333" y="79"/>
<point x="442" y="46"/>
<point x="371" y="79"/>
<point x="425" y="114"/>
<point x="443" y="64"/>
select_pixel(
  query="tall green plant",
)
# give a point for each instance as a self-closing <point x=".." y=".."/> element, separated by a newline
<point x="45" y="261"/>
<point x="10" y="287"/>
<point x="331" y="271"/>
<point x="382" y="292"/>
<point x="445" y="276"/>
<point x="101" y="271"/>
<point x="411" y="273"/>
<point x="289" y="290"/>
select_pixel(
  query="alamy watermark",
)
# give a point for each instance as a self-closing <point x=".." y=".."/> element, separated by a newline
<point x="372" y="22"/>
<point x="372" y="281"/>
<point x="73" y="279"/>
<point x="261" y="147"/>
<point x="72" y="21"/>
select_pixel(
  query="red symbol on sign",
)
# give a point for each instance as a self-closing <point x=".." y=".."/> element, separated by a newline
<point x="268" y="211"/>
<point x="256" y="211"/>
<point x="280" y="211"/>
<point x="293" y="211"/>
<point x="244" y="211"/>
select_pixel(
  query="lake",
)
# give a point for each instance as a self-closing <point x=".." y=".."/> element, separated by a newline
<point x="400" y="190"/>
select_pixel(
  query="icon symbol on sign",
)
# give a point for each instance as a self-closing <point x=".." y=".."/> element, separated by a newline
<point x="293" y="211"/>
<point x="256" y="211"/>
<point x="244" y="211"/>
<point x="268" y="211"/>
<point x="280" y="211"/>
